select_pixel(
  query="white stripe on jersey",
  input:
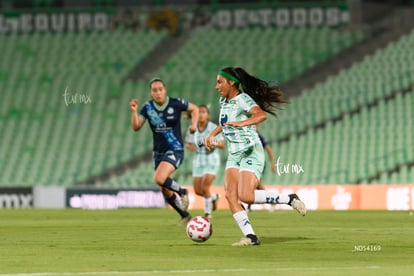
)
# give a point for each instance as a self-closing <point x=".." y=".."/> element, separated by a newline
<point x="203" y="157"/>
<point x="236" y="110"/>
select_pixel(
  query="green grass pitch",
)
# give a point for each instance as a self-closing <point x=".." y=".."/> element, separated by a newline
<point x="149" y="242"/>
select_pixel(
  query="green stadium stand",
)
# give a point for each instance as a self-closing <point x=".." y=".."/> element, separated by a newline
<point x="50" y="141"/>
<point x="339" y="131"/>
<point x="353" y="126"/>
<point x="190" y="73"/>
<point x="370" y="136"/>
<point x="271" y="53"/>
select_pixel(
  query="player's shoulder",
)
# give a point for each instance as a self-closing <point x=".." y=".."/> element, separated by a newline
<point x="246" y="100"/>
<point x="178" y="101"/>
<point x="211" y="125"/>
<point x="244" y="96"/>
<point x="146" y="105"/>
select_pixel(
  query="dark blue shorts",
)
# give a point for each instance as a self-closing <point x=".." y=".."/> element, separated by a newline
<point x="175" y="158"/>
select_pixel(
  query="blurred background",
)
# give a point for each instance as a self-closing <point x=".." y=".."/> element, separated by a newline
<point x="68" y="69"/>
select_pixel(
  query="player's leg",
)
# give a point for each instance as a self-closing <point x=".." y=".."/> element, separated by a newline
<point x="162" y="178"/>
<point x="209" y="198"/>
<point x="175" y="203"/>
<point x="263" y="196"/>
<point x="231" y="179"/>
<point x="167" y="165"/>
<point x="211" y="172"/>
<point x="198" y="185"/>
<point x="259" y="187"/>
<point x="199" y="189"/>
<point x="245" y="181"/>
<point x="251" y="172"/>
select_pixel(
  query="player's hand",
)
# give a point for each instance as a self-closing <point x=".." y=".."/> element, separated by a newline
<point x="209" y="142"/>
<point x="234" y="124"/>
<point x="192" y="129"/>
<point x="133" y="105"/>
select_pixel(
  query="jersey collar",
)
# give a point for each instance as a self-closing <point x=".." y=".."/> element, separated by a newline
<point x="162" y="107"/>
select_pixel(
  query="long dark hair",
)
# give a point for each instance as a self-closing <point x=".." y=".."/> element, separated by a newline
<point x="268" y="97"/>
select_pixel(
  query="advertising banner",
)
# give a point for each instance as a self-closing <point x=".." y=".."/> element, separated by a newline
<point x="174" y="20"/>
<point x="90" y="198"/>
<point x="280" y="17"/>
<point x="16" y="197"/>
<point x="331" y="197"/>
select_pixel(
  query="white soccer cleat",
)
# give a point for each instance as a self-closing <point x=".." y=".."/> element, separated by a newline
<point x="184" y="220"/>
<point x="297" y="204"/>
<point x="215" y="202"/>
<point x="248" y="241"/>
<point x="184" y="201"/>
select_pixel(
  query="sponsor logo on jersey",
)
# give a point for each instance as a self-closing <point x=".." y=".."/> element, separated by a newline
<point x="223" y="119"/>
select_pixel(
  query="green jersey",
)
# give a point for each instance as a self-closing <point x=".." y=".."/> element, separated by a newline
<point x="202" y="156"/>
<point x="236" y="110"/>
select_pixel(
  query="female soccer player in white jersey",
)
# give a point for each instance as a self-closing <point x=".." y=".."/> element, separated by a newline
<point x="205" y="163"/>
<point x="244" y="101"/>
<point x="164" y="116"/>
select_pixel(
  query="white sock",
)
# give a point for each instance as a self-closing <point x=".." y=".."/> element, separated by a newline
<point x="243" y="221"/>
<point x="263" y="196"/>
<point x="207" y="205"/>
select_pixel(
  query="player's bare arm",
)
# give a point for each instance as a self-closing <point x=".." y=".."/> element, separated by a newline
<point x="194" y="117"/>
<point x="209" y="141"/>
<point x="190" y="146"/>
<point x="136" y="121"/>
<point x="258" y="116"/>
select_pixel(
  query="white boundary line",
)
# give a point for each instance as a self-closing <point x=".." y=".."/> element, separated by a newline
<point x="143" y="272"/>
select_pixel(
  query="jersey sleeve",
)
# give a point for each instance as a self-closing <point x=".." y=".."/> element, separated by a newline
<point x="182" y="104"/>
<point x="143" y="111"/>
<point x="246" y="102"/>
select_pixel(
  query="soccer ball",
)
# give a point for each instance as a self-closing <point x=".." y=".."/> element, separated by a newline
<point x="199" y="229"/>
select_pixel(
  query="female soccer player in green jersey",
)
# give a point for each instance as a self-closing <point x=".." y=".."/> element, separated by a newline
<point x="205" y="163"/>
<point x="244" y="102"/>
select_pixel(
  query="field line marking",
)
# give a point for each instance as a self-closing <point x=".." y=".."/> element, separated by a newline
<point x="187" y="271"/>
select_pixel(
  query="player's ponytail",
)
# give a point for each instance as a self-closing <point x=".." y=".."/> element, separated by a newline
<point x="268" y="97"/>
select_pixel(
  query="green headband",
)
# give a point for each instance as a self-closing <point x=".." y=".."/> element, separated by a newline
<point x="228" y="76"/>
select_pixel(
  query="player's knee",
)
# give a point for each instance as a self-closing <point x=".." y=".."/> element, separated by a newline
<point x="159" y="179"/>
<point x="246" y="198"/>
<point x="199" y="192"/>
<point x="231" y="197"/>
